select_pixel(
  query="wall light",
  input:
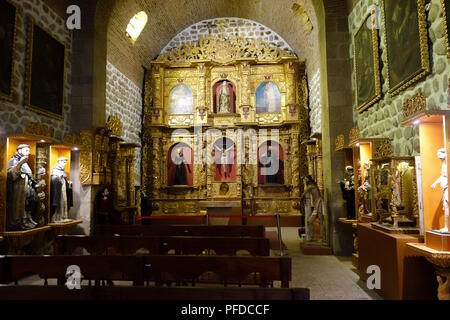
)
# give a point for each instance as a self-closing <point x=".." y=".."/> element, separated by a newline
<point x="416" y="122"/>
<point x="136" y="25"/>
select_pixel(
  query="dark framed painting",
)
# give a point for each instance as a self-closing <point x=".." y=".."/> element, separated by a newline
<point x="407" y="43"/>
<point x="367" y="63"/>
<point x="46" y="72"/>
<point x="8" y="25"/>
<point x="446" y="15"/>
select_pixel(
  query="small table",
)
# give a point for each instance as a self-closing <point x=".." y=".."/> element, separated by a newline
<point x="219" y="208"/>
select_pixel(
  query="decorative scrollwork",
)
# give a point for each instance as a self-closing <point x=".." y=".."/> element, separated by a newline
<point x="223" y="51"/>
<point x="37" y="129"/>
<point x="382" y="149"/>
<point x="339" y="142"/>
<point x="414" y="105"/>
<point x="354" y="134"/>
<point x="114" y="125"/>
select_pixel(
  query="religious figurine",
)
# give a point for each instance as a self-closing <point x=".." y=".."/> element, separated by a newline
<point x="363" y="191"/>
<point x="312" y="193"/>
<point x="224" y="105"/>
<point x="61" y="196"/>
<point x="348" y="191"/>
<point x="104" y="208"/>
<point x="443" y="181"/>
<point x="271" y="166"/>
<point x="180" y="170"/>
<point x="224" y="162"/>
<point x="40" y="192"/>
<point x="20" y="190"/>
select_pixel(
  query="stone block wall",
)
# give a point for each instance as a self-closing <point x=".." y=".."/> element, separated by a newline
<point x="384" y="118"/>
<point x="124" y="100"/>
<point x="13" y="115"/>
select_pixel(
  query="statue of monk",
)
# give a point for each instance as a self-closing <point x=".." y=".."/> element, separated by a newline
<point x="20" y="191"/>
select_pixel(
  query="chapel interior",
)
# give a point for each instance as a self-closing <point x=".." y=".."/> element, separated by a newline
<point x="227" y="146"/>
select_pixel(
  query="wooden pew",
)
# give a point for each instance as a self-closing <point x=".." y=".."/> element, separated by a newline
<point x="150" y="293"/>
<point x="128" y="245"/>
<point x="158" y="269"/>
<point x="182" y="230"/>
<point x="96" y="268"/>
<point x="226" y="269"/>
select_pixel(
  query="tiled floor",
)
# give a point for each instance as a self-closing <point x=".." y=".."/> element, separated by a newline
<point x="328" y="277"/>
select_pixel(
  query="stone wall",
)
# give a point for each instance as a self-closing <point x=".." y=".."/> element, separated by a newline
<point x="13" y="115"/>
<point x="384" y="118"/>
<point x="124" y="100"/>
<point x="231" y="26"/>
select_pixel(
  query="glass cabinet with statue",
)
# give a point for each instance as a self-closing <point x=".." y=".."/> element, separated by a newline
<point x="395" y="195"/>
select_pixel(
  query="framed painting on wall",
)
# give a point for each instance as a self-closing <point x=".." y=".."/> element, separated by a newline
<point x="367" y="63"/>
<point x="268" y="98"/>
<point x="46" y="72"/>
<point x="407" y="43"/>
<point x="446" y="15"/>
<point x="8" y="25"/>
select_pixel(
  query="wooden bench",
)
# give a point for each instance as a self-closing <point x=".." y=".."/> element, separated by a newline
<point x="158" y="269"/>
<point x="150" y="293"/>
<point x="182" y="230"/>
<point x="129" y="245"/>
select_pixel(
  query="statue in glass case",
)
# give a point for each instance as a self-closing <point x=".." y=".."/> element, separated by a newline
<point x="61" y="196"/>
<point x="20" y="191"/>
<point x="364" y="191"/>
<point x="443" y="181"/>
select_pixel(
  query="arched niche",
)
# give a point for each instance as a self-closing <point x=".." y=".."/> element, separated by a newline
<point x="224" y="92"/>
<point x="268" y="98"/>
<point x="270" y="163"/>
<point x="181" y="100"/>
<point x="224" y="150"/>
<point x="180" y="165"/>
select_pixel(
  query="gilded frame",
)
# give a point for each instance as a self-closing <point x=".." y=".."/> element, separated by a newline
<point x="3" y="95"/>
<point x="29" y="68"/>
<point x="424" y="68"/>
<point x="446" y="22"/>
<point x="375" y="76"/>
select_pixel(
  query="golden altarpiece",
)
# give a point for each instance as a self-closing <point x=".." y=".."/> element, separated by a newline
<point x="223" y="144"/>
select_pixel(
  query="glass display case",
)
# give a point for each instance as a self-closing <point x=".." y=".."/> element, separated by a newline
<point x="395" y="194"/>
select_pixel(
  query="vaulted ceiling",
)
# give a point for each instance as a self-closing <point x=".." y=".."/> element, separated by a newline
<point x="168" y="18"/>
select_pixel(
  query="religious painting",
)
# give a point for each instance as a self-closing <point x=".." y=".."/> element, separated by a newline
<point x="366" y="64"/>
<point x="446" y="15"/>
<point x="45" y="72"/>
<point x="224" y="152"/>
<point x="270" y="163"/>
<point x="180" y="164"/>
<point x="406" y="42"/>
<point x="268" y="98"/>
<point x="8" y="25"/>
<point x="181" y="100"/>
<point x="224" y="93"/>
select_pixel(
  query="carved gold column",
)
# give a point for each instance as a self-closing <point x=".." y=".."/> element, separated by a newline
<point x="319" y="163"/>
<point x="3" y="173"/>
<point x="295" y="165"/>
<point x="158" y="114"/>
<point x="245" y="107"/>
<point x="201" y="112"/>
<point x="86" y="157"/>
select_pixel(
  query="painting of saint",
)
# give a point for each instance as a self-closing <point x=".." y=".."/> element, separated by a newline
<point x="181" y="100"/>
<point x="7" y="28"/>
<point x="268" y="98"/>
<point x="408" y="57"/>
<point x="180" y="165"/>
<point x="225" y="160"/>
<point x="368" y="88"/>
<point x="224" y="97"/>
<point x="46" y="73"/>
